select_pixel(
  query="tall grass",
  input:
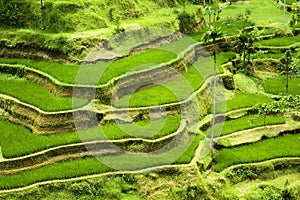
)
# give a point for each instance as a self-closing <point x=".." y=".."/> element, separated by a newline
<point x="190" y="152"/>
<point x="35" y="95"/>
<point x="178" y="89"/>
<point x="285" y="146"/>
<point x="64" y="170"/>
<point x="277" y="85"/>
<point x="16" y="140"/>
<point x="264" y="12"/>
<point x="88" y="166"/>
<point x="242" y="100"/>
<point x="280" y="41"/>
<point x="247" y="122"/>
<point x="67" y="73"/>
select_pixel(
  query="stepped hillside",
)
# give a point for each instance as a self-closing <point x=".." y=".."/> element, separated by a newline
<point x="155" y="99"/>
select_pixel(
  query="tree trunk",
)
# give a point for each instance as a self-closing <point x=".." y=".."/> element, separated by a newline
<point x="244" y="59"/>
<point x="214" y="96"/>
<point x="287" y="80"/>
<point x="42" y="4"/>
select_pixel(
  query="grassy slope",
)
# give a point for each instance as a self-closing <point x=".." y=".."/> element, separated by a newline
<point x="284" y="146"/>
<point x="68" y="73"/>
<point x="88" y="166"/>
<point x="35" y="95"/>
<point x="279" y="42"/>
<point x="179" y="88"/>
<point x="248" y="122"/>
<point x="277" y="85"/>
<point x="16" y="140"/>
<point x="242" y="100"/>
<point x="62" y="170"/>
<point x="264" y="12"/>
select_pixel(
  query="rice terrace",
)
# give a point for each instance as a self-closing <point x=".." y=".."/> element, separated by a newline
<point x="152" y="99"/>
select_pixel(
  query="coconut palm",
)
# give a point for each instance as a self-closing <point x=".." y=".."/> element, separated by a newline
<point x="290" y="67"/>
<point x="42" y="4"/>
<point x="213" y="34"/>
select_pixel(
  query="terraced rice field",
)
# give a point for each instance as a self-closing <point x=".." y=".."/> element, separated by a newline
<point x="130" y="128"/>
<point x="285" y="146"/>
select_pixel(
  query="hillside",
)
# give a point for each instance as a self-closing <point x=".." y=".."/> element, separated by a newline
<point x="137" y="100"/>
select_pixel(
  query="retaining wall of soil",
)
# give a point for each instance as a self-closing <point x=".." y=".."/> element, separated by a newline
<point x="103" y="148"/>
<point x="58" y="122"/>
<point x="263" y="170"/>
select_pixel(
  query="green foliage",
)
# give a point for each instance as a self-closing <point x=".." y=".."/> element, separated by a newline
<point x="265" y="193"/>
<point x="190" y="152"/>
<point x="179" y="88"/>
<point x="63" y="170"/>
<point x="189" y="22"/>
<point x="243" y="100"/>
<point x="277" y="85"/>
<point x="18" y="141"/>
<point x="279" y="41"/>
<point x="67" y="73"/>
<point x="244" y="45"/>
<point x="36" y="95"/>
<point x="284" y="146"/>
<point x="247" y="122"/>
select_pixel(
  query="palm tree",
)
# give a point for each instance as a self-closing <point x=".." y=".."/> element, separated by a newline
<point x="209" y="11"/>
<point x="293" y="22"/>
<point x="290" y="66"/>
<point x="213" y="34"/>
<point x="286" y="62"/>
<point x="42" y="4"/>
<point x="245" y="47"/>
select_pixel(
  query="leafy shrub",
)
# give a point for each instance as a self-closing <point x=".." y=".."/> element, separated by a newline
<point x="80" y="188"/>
<point x="189" y="22"/>
<point x="265" y="193"/>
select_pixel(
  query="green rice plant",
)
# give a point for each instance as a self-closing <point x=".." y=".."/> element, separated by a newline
<point x="284" y="146"/>
<point x="36" y="95"/>
<point x="16" y="140"/>
<point x="268" y="56"/>
<point x="263" y="12"/>
<point x="277" y="85"/>
<point x="190" y="152"/>
<point x="279" y="42"/>
<point x="63" y="170"/>
<point x="67" y="73"/>
<point x="289" y="2"/>
<point x="242" y="100"/>
<point x="179" y="88"/>
<point x="247" y="122"/>
<point x="89" y="166"/>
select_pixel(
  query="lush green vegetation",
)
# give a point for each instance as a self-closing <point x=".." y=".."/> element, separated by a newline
<point x="190" y="152"/>
<point x="247" y="122"/>
<point x="16" y="140"/>
<point x="280" y="42"/>
<point x="35" y="95"/>
<point x="66" y="31"/>
<point x="68" y="169"/>
<point x="285" y="146"/>
<point x="290" y="2"/>
<point x="277" y="85"/>
<point x="242" y="100"/>
<point x="101" y="188"/>
<point x="264" y="13"/>
<point x="88" y="166"/>
<point x="179" y="88"/>
<point x="268" y="56"/>
<point x="105" y="72"/>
